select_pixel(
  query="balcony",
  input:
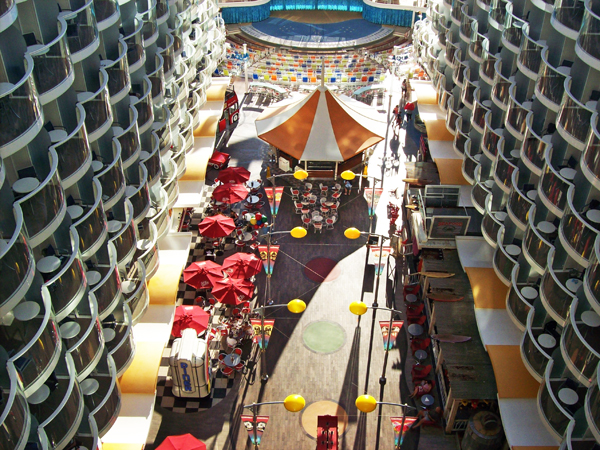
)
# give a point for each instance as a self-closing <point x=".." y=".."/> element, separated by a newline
<point x="159" y="214"/>
<point x="519" y="301"/>
<point x="537" y="243"/>
<point x="139" y="196"/>
<point x="588" y="40"/>
<point x="519" y="204"/>
<point x="15" y="420"/>
<point x="491" y="224"/>
<point x="107" y="13"/>
<point x="456" y="14"/>
<point x="108" y="290"/>
<point x="186" y="17"/>
<point x="530" y="55"/>
<point x="460" y="138"/>
<point x="142" y="100"/>
<point x="469" y="165"/>
<point x="162" y="129"/>
<point x="193" y="106"/>
<point x="169" y="181"/>
<point x="17" y="266"/>
<point x="468" y="91"/>
<point x="497" y="14"/>
<point x="91" y="227"/>
<point x="590" y="163"/>
<point x="8" y="14"/>
<point x="157" y="78"/>
<point x="122" y="234"/>
<point x="32" y="341"/>
<point x="503" y="171"/>
<point x="466" y="25"/>
<point x="592" y="407"/>
<point x="458" y="75"/>
<point x="112" y="179"/>
<point x="550" y="84"/>
<point x="505" y="259"/>
<point x="82" y="31"/>
<point x="82" y="337"/>
<point x="102" y="396"/>
<point x="147" y="250"/>
<point x="516" y="114"/>
<point x="480" y="109"/>
<point x="487" y="70"/>
<point x="537" y="346"/>
<point x="44" y="207"/>
<point x="148" y="18"/>
<point x="534" y="147"/>
<point x="574" y="118"/>
<point x="567" y="17"/>
<point x="52" y="68"/>
<point x="20" y="112"/>
<point x="481" y="189"/>
<point x="513" y="30"/>
<point x="591" y="281"/>
<point x="67" y="284"/>
<point x="491" y="138"/>
<point x="172" y="104"/>
<point x="167" y="51"/>
<point x="553" y="186"/>
<point x="476" y="49"/>
<point x="58" y="409"/>
<point x="152" y="162"/>
<point x="119" y="82"/>
<point x="442" y="98"/>
<point x="179" y="156"/>
<point x="119" y="339"/>
<point x="136" y="55"/>
<point x="181" y="72"/>
<point x="500" y="89"/>
<point x="451" y="116"/>
<point x="580" y="342"/>
<point x="135" y="291"/>
<point x="129" y="139"/>
<point x="177" y="37"/>
<point x="162" y="11"/>
<point x="450" y="51"/>
<point x="98" y="112"/>
<point x="578" y="230"/>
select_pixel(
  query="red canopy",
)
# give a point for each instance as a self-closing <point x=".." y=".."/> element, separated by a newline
<point x="216" y="226"/>
<point x="233" y="291"/>
<point x="234" y="175"/>
<point x="242" y="265"/>
<point x="202" y="274"/>
<point x="189" y="317"/>
<point x="230" y="193"/>
<point x="182" y="442"/>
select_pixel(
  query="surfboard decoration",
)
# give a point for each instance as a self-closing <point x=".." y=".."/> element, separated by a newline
<point x="452" y="338"/>
<point x="436" y="274"/>
<point x="444" y="297"/>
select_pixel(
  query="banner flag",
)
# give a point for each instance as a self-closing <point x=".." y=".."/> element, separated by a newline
<point x="256" y="327"/>
<point x="261" y="424"/>
<point x="385" y="252"/>
<point x="400" y="430"/>
<point x="268" y="265"/>
<point x="385" y="325"/>
<point x="270" y="197"/>
<point x="369" y="198"/>
<point x="278" y="195"/>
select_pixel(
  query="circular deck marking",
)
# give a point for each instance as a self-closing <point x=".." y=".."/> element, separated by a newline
<point x="323" y="408"/>
<point x="324" y="337"/>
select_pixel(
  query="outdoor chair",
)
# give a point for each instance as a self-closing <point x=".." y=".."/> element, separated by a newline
<point x="237" y="351"/>
<point x="420" y="372"/>
<point x="412" y="309"/>
<point x="227" y="371"/>
<point x="420" y="344"/>
<point x="318" y="226"/>
<point x="420" y="320"/>
<point x="329" y="222"/>
<point x="306" y="222"/>
<point x="240" y="245"/>
<point x="240" y="367"/>
<point x="298" y="207"/>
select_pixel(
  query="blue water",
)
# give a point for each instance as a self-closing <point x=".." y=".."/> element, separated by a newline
<point x="322" y="32"/>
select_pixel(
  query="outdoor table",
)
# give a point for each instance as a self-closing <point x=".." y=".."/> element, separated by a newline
<point x="328" y="204"/>
<point x="231" y="342"/>
<point x="324" y="209"/>
<point x="246" y="237"/>
<point x="252" y="199"/>
<point x="420" y="355"/>
<point x="305" y="202"/>
<point x="232" y="360"/>
<point x="415" y="329"/>
<point x="253" y="185"/>
<point x="427" y="400"/>
<point x="317" y="218"/>
<point x="411" y="298"/>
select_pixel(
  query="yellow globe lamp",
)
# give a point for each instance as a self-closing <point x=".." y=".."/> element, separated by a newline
<point x="348" y="175"/>
<point x="358" y="308"/>
<point x="300" y="174"/>
<point x="296" y="306"/>
<point x="298" y="232"/>
<point x="294" y="403"/>
<point x="366" y="403"/>
<point x="351" y="233"/>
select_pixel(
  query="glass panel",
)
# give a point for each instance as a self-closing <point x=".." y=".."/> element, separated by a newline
<point x="469" y="166"/>
<point x="574" y="117"/>
<point x="16" y="413"/>
<point x="501" y="86"/>
<point x="67" y="418"/>
<point x="513" y="27"/>
<point x="74" y="152"/>
<point x="530" y="54"/>
<point x="580" y="355"/>
<point x="552" y="413"/>
<point x="67" y="287"/>
<point x="130" y="141"/>
<point x="519" y="205"/>
<point x="97" y="107"/>
<point x="518" y="306"/>
<point x="554" y="187"/>
<point x="81" y="27"/>
<point x="112" y="180"/>
<point x="503" y="170"/>
<point x="517" y="113"/>
<point x="105" y="8"/>
<point x="569" y="13"/>
<point x="554" y="293"/>
<point x="16" y="264"/>
<point x="594" y="404"/>
<point x="108" y="289"/>
<point x="479" y="194"/>
<point x="536" y="359"/>
<point x="5" y="6"/>
<point x="536" y="247"/>
<point x="504" y="263"/>
<point x="118" y="71"/>
<point x="490" y="226"/>
<point x="143" y="104"/>
<point x="533" y="147"/>
<point x="124" y="242"/>
<point x="578" y="233"/>
<point x="84" y="347"/>
<point x="490" y="138"/>
<point x="92" y="227"/>
<point x="135" y="45"/>
<point x="592" y="276"/>
<point x="550" y="82"/>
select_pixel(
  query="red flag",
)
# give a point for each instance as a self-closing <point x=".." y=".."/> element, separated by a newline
<point x="261" y="423"/>
<point x="388" y="344"/>
<point x="399" y="429"/>
<point x="256" y="326"/>
<point x="268" y="263"/>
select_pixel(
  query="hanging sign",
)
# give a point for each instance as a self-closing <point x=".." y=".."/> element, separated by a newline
<point x="372" y="202"/>
<point x="256" y="327"/>
<point x="261" y="424"/>
<point x="268" y="263"/>
<point x="375" y="251"/>
<point x="388" y="344"/>
<point x="400" y="430"/>
<point x="274" y="196"/>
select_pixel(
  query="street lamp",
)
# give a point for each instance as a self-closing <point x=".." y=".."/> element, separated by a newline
<point x="298" y="175"/>
<point x="366" y="403"/>
<point x="293" y="403"/>
<point x="295" y="306"/>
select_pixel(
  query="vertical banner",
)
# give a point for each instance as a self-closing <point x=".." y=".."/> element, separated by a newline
<point x="268" y="263"/>
<point x="369" y="198"/>
<point x="385" y="331"/>
<point x="385" y="252"/>
<point x="400" y="430"/>
<point x="261" y="424"/>
<point x="270" y="191"/>
<point x="274" y="195"/>
<point x="257" y="339"/>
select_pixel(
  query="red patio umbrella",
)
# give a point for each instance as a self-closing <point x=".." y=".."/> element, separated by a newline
<point x="233" y="291"/>
<point x="230" y="193"/>
<point x="409" y="106"/>
<point x="182" y="442"/>
<point x="234" y="175"/>
<point x="216" y="226"/>
<point x="202" y="274"/>
<point x="189" y="317"/>
<point x="242" y="265"/>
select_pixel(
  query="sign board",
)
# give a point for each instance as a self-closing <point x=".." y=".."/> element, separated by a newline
<point x="446" y="227"/>
<point x="442" y="196"/>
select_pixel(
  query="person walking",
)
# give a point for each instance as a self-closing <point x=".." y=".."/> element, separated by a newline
<point x="404" y="88"/>
<point x="347" y="187"/>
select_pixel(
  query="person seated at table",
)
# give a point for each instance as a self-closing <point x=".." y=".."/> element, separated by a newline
<point x="233" y="215"/>
<point x="427" y="416"/>
<point x="422" y="388"/>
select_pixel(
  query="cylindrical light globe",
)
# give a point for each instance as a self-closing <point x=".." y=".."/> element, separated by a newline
<point x="294" y="403"/>
<point x="358" y="308"/>
<point x="351" y="233"/>
<point x="298" y="232"/>
<point x="366" y="403"/>
<point x="348" y="175"/>
<point x="300" y="174"/>
<point x="296" y="306"/>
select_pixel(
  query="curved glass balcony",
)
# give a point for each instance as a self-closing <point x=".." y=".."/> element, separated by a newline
<point x="179" y="156"/>
<point x="129" y="139"/>
<point x="537" y="346"/>
<point x="152" y="162"/>
<point x="167" y="53"/>
<point x="480" y="109"/>
<point x="534" y="147"/>
<point x="15" y="421"/>
<point x="172" y="104"/>
<point x="460" y="138"/>
<point x="123" y="236"/>
<point x="108" y="290"/>
<point x="567" y="16"/>
<point x="442" y="99"/>
<point x="139" y="196"/>
<point x="17" y="266"/>
<point x="20" y="112"/>
<point x="194" y="104"/>
<point x="553" y="187"/>
<point x="491" y="224"/>
<point x="550" y="83"/>
<point x="470" y="164"/>
<point x="481" y="189"/>
<point x="450" y="51"/>
<point x="519" y="204"/>
<point x="484" y="4"/>
<point x="34" y="344"/>
<point x="592" y="406"/>
<point x="578" y="231"/>
<point x="107" y="13"/>
<point x="8" y="14"/>
<point x="580" y="342"/>
<point x="516" y="114"/>
<point x="60" y="413"/>
<point x="87" y="433"/>
<point x="503" y="171"/>
<point x="159" y="214"/>
<point x="458" y="75"/>
<point x="147" y="251"/>
<point x="513" y="30"/>
<point x="91" y="227"/>
<point x="119" y="340"/>
<point x="476" y="49"/>
<point x="136" y="55"/>
<point x="162" y="11"/>
<point x="119" y="82"/>
<point x="557" y="291"/>
<point x="487" y="70"/>
<point x="44" y="208"/>
<point x="102" y="396"/>
<point x="98" y="112"/>
<point x="135" y="291"/>
<point x="67" y="284"/>
<point x="591" y="281"/>
<point x="505" y="259"/>
<point x="466" y="24"/>
<point x="456" y="14"/>
<point x="573" y="122"/>
<point x="169" y="181"/>
<point x="186" y="17"/>
<point x="537" y="243"/>
<point x="142" y="100"/>
<point x="82" y="31"/>
<point x="112" y="179"/>
<point x="497" y="14"/>
<point x="162" y="129"/>
<point x="590" y="163"/>
<point x="177" y="36"/>
<point x="157" y="78"/>
<point x="519" y="301"/>
<point x="148" y="18"/>
<point x="491" y="138"/>
<point x="468" y="91"/>
<point x="52" y="69"/>
<point x="500" y="89"/>
<point x="530" y="54"/>
<point x="181" y="71"/>
<point x="451" y="116"/>
<point x="588" y="40"/>
<point x="82" y="337"/>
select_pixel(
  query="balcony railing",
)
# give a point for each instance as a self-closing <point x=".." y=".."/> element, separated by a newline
<point x="481" y="189"/>
<point x="491" y="224"/>
<point x="458" y="75"/>
<point x="450" y="51"/>
<point x="555" y="412"/>
<point x="590" y="163"/>
<point x="139" y="195"/>
<point x="107" y="13"/>
<point x="520" y="300"/>
<point x="491" y="138"/>
<point x="476" y="50"/>
<point x="168" y="54"/>
<point x="15" y="420"/>
<point x="574" y="119"/>
<point x="91" y="227"/>
<point x="21" y="112"/>
<point x="537" y="243"/>
<point x="497" y="14"/>
<point x="534" y="147"/>
<point x="466" y="24"/>
<point x="456" y="13"/>
<point x="17" y="266"/>
<point x="480" y="108"/>
<point x="162" y="129"/>
<point x="516" y="114"/>
<point x="135" y="291"/>
<point x="129" y="139"/>
<point x="592" y="406"/>
<point x="169" y="181"/>
<point x="108" y="290"/>
<point x="577" y="231"/>
<point x="554" y="185"/>
<point x="460" y="138"/>
<point x="451" y="116"/>
<point x="469" y="164"/>
<point x="8" y="13"/>
<point x="487" y="70"/>
<point x="530" y="54"/>
<point x="142" y="100"/>
<point x="102" y="396"/>
<point x="123" y="236"/>
<point x="119" y="82"/>
<point x="179" y="155"/>
<point x="500" y="89"/>
<point x="536" y="347"/>
<point x="468" y="91"/>
<point x="588" y="40"/>
<point x="569" y="14"/>
<point x="177" y="36"/>
<point x="162" y="11"/>
<point x="513" y="30"/>
<point x="194" y="105"/>
<point x="151" y="161"/>
<point x="172" y="103"/>
<point x="147" y="15"/>
<point x="505" y="259"/>
<point x="555" y="293"/>
<point x="82" y="31"/>
<point x="147" y="250"/>
<point x="136" y="55"/>
<point x="550" y="84"/>
<point x="98" y="112"/>
<point x="592" y="277"/>
<point x="120" y="343"/>
<point x="112" y="179"/>
<point x="159" y="214"/>
<point x="519" y="204"/>
<point x="157" y="78"/>
<point x="503" y="171"/>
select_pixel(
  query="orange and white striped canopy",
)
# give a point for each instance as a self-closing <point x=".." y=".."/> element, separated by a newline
<point x="319" y="127"/>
